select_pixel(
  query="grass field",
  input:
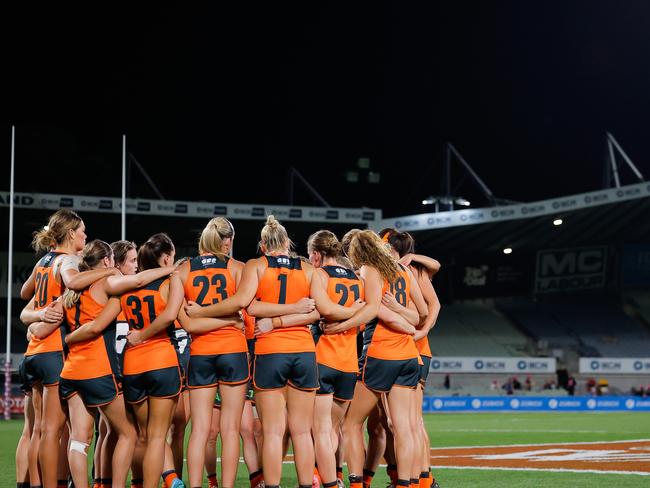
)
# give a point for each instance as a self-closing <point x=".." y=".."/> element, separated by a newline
<point x="449" y="430"/>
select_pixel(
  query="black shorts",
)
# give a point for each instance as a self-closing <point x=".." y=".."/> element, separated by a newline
<point x="251" y="348"/>
<point x="337" y="383"/>
<point x="231" y="369"/>
<point x="250" y="394"/>
<point x="382" y="374"/>
<point x="25" y="387"/>
<point x="158" y="383"/>
<point x="94" y="392"/>
<point x="424" y="370"/>
<point x="44" y="368"/>
<point x="296" y="369"/>
<point x="121" y="331"/>
<point x="181" y="342"/>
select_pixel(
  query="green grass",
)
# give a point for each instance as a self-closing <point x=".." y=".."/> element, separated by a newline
<point x="473" y="430"/>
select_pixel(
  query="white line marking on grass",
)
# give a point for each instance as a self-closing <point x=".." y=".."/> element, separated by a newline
<point x="542" y="444"/>
<point x="528" y="431"/>
<point x="555" y="470"/>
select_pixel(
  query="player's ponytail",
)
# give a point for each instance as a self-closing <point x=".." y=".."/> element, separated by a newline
<point x="151" y="251"/>
<point x="326" y="243"/>
<point x="56" y="231"/>
<point x="213" y="236"/>
<point x="274" y="237"/>
<point x="367" y="248"/>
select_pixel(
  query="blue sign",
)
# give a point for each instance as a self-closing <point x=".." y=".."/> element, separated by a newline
<point x="536" y="404"/>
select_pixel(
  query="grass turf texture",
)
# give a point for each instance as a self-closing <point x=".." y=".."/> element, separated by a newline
<point x="470" y="430"/>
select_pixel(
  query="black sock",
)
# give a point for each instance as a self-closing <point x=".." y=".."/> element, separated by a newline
<point x="403" y="482"/>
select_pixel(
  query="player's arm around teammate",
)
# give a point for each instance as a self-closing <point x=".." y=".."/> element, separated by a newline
<point x="391" y="358"/>
<point x="218" y="353"/>
<point x="89" y="378"/>
<point x="152" y="377"/>
<point x="63" y="235"/>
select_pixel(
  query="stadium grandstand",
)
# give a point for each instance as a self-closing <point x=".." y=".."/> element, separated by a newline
<point x="572" y="283"/>
<point x="565" y="292"/>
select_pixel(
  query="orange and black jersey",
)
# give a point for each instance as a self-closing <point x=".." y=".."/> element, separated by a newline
<point x="210" y="281"/>
<point x="95" y="357"/>
<point x="141" y="307"/>
<point x="284" y="281"/>
<point x="339" y="351"/>
<point x="45" y="292"/>
<point x="423" y="347"/>
<point x="382" y="342"/>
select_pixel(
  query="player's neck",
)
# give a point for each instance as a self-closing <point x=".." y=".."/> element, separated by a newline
<point x="282" y="252"/>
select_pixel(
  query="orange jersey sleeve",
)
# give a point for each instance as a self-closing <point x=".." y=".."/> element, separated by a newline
<point x="339" y="351"/>
<point x="210" y="281"/>
<point x="93" y="358"/>
<point x="46" y="290"/>
<point x="284" y="281"/>
<point x="141" y="307"/>
<point x="384" y="342"/>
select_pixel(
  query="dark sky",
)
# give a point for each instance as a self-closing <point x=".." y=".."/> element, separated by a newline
<point x="525" y="90"/>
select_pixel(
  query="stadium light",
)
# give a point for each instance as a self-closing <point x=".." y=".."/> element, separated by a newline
<point x="507" y="250"/>
<point x="448" y="201"/>
<point x="557" y="222"/>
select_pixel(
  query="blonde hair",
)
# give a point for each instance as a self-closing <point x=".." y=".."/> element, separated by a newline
<point x="367" y="248"/>
<point x="326" y="243"/>
<point x="345" y="262"/>
<point x="91" y="256"/>
<point x="347" y="238"/>
<point x="56" y="230"/>
<point x="274" y="236"/>
<point x="211" y="241"/>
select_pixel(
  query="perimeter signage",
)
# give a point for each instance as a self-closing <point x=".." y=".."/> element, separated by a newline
<point x="538" y="404"/>
<point x="455" y="218"/>
<point x="492" y="365"/>
<point x="191" y="209"/>
<point x="615" y="365"/>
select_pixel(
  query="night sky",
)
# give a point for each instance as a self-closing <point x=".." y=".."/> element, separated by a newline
<point x="524" y="90"/>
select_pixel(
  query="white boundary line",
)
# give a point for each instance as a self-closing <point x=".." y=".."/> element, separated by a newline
<point x="553" y="470"/>
<point x="542" y="444"/>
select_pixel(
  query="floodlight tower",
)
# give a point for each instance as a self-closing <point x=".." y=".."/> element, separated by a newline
<point x="611" y="163"/>
<point x="448" y="198"/>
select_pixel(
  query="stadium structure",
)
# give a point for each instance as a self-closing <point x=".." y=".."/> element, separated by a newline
<point x="532" y="294"/>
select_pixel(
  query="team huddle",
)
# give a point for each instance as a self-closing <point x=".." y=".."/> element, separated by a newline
<point x="128" y="345"/>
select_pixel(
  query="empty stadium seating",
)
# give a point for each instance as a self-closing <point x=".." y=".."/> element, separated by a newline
<point x="476" y="329"/>
<point x="592" y="325"/>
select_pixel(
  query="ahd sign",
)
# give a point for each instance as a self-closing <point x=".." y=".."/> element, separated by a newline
<point x="571" y="269"/>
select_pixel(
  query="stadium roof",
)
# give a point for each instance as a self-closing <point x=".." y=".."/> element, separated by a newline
<point x="612" y="216"/>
